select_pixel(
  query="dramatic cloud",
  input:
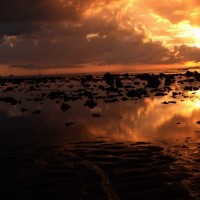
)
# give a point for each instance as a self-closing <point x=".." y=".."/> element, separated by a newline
<point x="175" y="10"/>
<point x="73" y="33"/>
<point x="189" y="53"/>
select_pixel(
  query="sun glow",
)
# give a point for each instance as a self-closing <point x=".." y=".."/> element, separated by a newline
<point x="192" y="34"/>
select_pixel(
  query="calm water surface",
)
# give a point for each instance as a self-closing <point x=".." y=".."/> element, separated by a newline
<point x="146" y="119"/>
<point x="169" y="120"/>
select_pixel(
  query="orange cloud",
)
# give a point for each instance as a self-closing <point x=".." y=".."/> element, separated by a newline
<point x="175" y="11"/>
<point x="98" y="32"/>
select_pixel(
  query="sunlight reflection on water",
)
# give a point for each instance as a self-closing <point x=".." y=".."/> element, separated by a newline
<point x="167" y="120"/>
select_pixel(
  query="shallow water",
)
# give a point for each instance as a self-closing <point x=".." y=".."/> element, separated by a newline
<point x="165" y="116"/>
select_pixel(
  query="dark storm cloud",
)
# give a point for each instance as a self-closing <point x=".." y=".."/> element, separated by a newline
<point x="23" y="11"/>
<point x="27" y="16"/>
<point x="187" y="53"/>
<point x="18" y="29"/>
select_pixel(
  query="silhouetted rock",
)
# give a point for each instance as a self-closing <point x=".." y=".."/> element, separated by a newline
<point x="69" y="123"/>
<point x="90" y="103"/>
<point x="168" y="80"/>
<point x="162" y="75"/>
<point x="10" y="100"/>
<point x="143" y="77"/>
<point x="64" y="107"/>
<point x="86" y="78"/>
<point x="124" y="98"/>
<point x="109" y="78"/>
<point x="126" y="76"/>
<point x="189" y="74"/>
<point x="24" y="109"/>
<point x="37" y="112"/>
<point x="55" y="94"/>
<point x="165" y="102"/>
<point x="160" y="94"/>
<point x="118" y="82"/>
<point x="136" y="83"/>
<point x="96" y="115"/>
<point x="9" y="89"/>
<point x="189" y="88"/>
<point x="101" y="87"/>
<point x="197" y="75"/>
<point x="88" y="94"/>
<point x="153" y="82"/>
<point x="136" y="93"/>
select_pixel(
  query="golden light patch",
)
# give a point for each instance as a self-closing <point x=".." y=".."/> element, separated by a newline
<point x="186" y="31"/>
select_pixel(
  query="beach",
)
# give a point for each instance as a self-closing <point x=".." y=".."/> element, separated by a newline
<point x="110" y="136"/>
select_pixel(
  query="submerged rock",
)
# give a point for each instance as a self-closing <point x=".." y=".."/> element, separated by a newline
<point x="55" y="94"/>
<point x="24" y="109"/>
<point x="136" y="93"/>
<point x="37" y="112"/>
<point x="10" y="100"/>
<point x="96" y="115"/>
<point x="69" y="123"/>
<point x="90" y="103"/>
<point x="64" y="107"/>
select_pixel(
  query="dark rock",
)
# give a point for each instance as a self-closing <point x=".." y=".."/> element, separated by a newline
<point x="24" y="109"/>
<point x="37" y="112"/>
<point x="86" y="78"/>
<point x="124" y="98"/>
<point x="153" y="82"/>
<point x="189" y="88"/>
<point x="160" y="94"/>
<point x="109" y="78"/>
<point x="10" y="100"/>
<point x="136" y="83"/>
<point x="64" y="107"/>
<point x="55" y="94"/>
<point x="69" y="123"/>
<point x="198" y="122"/>
<point x="173" y="102"/>
<point x="101" y="87"/>
<point x="118" y="82"/>
<point x="96" y="115"/>
<point x="168" y="81"/>
<point x="136" y="93"/>
<point x="191" y="80"/>
<point x="197" y="75"/>
<point x="9" y="89"/>
<point x="90" y="103"/>
<point x="162" y="75"/>
<point x="126" y="76"/>
<point x="189" y="74"/>
<point x="143" y="77"/>
<point x="88" y="94"/>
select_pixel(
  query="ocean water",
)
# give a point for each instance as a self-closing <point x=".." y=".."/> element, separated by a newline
<point x="66" y="109"/>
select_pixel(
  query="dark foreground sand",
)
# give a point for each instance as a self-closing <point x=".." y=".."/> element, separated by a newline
<point x="92" y="170"/>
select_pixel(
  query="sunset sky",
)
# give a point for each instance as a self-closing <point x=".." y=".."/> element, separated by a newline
<point x="54" y="36"/>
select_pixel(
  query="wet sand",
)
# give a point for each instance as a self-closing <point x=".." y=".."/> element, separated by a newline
<point x="89" y="170"/>
<point x="59" y="138"/>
